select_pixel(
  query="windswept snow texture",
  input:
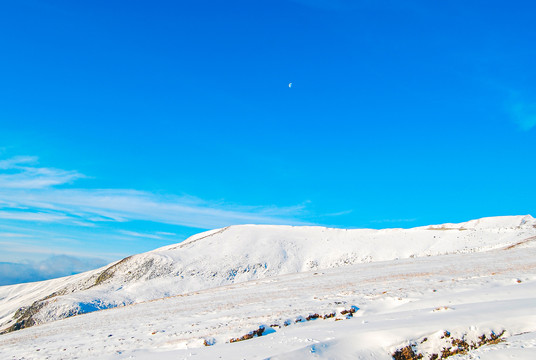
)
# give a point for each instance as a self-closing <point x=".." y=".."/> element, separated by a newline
<point x="468" y="279"/>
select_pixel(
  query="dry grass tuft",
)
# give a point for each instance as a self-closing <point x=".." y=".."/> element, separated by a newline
<point x="458" y="346"/>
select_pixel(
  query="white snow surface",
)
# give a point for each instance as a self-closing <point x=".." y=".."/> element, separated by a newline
<point x="468" y="279"/>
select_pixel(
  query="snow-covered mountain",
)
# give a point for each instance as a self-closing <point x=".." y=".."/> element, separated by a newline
<point x="239" y="254"/>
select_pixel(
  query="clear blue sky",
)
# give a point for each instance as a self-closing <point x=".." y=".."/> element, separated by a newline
<point x="128" y="125"/>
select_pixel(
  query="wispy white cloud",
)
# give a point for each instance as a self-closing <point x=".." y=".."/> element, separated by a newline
<point x="32" y="216"/>
<point x="24" y="175"/>
<point x="42" y="214"/>
<point x="138" y="234"/>
<point x="524" y="114"/>
<point x="29" y="194"/>
<point x="12" y="235"/>
<point x="17" y="161"/>
<point x="119" y="205"/>
<point x="519" y="106"/>
<point x="340" y="213"/>
<point x="84" y="223"/>
<point x="165" y="233"/>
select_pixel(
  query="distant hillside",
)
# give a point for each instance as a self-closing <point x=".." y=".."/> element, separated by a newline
<point x="246" y="252"/>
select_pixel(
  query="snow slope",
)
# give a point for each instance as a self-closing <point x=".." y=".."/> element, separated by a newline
<point x="409" y="284"/>
<point x="399" y="301"/>
<point x="243" y="253"/>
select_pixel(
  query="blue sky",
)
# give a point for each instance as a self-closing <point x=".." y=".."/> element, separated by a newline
<point x="125" y="126"/>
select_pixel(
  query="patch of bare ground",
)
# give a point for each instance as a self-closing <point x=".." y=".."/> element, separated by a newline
<point x="522" y="242"/>
<point x="444" y="228"/>
<point x="250" y="335"/>
<point x="346" y="314"/>
<point x="406" y="353"/>
<point x="399" y="277"/>
<point x="450" y="347"/>
<point x="201" y="238"/>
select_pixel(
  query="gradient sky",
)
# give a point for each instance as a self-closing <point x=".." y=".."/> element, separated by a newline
<point x="128" y="125"/>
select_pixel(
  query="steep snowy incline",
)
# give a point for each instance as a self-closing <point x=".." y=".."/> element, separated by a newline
<point x="246" y="252"/>
<point x="400" y="302"/>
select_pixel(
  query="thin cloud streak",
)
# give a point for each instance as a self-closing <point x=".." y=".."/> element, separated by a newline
<point x="340" y="213"/>
<point x="12" y="235"/>
<point x="35" y="199"/>
<point x="16" y="161"/>
<point x="141" y="235"/>
<point x="32" y="216"/>
<point x="24" y="176"/>
<point x="128" y="205"/>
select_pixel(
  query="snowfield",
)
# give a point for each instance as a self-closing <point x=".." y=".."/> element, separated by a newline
<point x="467" y="290"/>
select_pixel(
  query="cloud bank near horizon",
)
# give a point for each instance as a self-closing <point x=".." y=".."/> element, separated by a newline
<point x="52" y="267"/>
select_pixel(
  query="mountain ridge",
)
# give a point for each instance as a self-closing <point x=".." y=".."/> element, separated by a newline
<point x="241" y="253"/>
